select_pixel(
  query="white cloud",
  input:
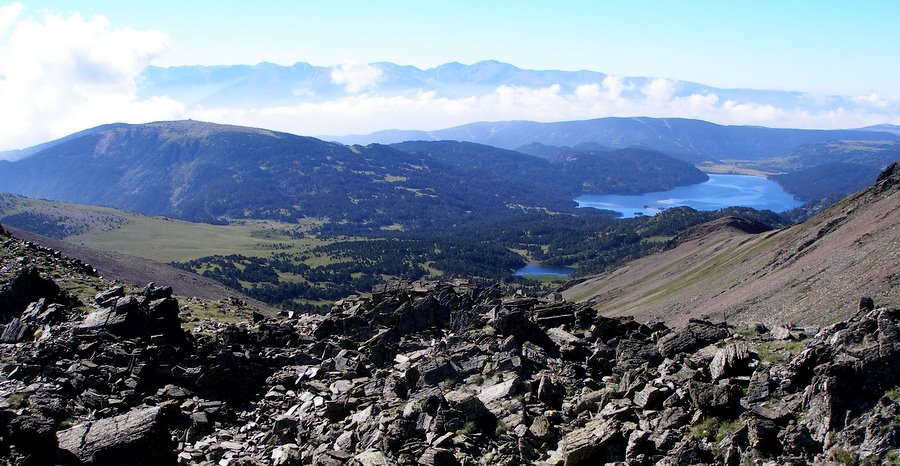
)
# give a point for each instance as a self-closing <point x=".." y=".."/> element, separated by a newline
<point x="877" y="100"/>
<point x="697" y="105"/>
<point x="588" y="92"/>
<point x="615" y="86"/>
<point x="659" y="89"/>
<point x="356" y="77"/>
<point x="62" y="74"/>
<point x="8" y="14"/>
<point x="753" y="112"/>
<point x="364" y="113"/>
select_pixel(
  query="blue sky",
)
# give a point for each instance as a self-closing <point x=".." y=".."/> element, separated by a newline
<point x="823" y="46"/>
<point x="66" y="66"/>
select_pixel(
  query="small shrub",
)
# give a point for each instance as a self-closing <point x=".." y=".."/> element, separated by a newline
<point x="727" y="428"/>
<point x="468" y="428"/>
<point x="892" y="426"/>
<point x="65" y="423"/>
<point x="705" y="429"/>
<point x="17" y="400"/>
<point x="713" y="428"/>
<point x="778" y="352"/>
<point x="448" y="384"/>
<point x="893" y="394"/>
<point x="892" y="458"/>
<point x="841" y="456"/>
<point x="501" y="428"/>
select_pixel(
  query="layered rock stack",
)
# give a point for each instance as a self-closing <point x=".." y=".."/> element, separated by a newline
<point x="439" y="374"/>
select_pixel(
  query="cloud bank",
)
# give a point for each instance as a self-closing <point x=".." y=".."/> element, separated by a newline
<point x="364" y="113"/>
<point x="355" y="77"/>
<point x="61" y="74"/>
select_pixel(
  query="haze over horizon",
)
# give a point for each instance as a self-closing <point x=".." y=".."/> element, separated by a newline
<point x="64" y="68"/>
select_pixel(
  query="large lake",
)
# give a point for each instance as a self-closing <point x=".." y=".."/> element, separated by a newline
<point x="536" y="269"/>
<point x="718" y="192"/>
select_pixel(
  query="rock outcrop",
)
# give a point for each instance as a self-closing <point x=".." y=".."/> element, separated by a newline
<point x="448" y="373"/>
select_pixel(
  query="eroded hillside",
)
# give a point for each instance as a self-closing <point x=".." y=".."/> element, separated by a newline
<point x="810" y="273"/>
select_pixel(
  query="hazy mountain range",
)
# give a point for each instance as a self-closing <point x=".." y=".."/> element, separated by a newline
<point x="203" y="171"/>
<point x="362" y="98"/>
<point x="692" y="140"/>
<point x="269" y="84"/>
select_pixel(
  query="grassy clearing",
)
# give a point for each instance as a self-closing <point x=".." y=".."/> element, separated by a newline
<point x="218" y="311"/>
<point x="166" y="240"/>
<point x="778" y="351"/>
<point x="524" y="253"/>
<point x="290" y="278"/>
<point x="734" y="169"/>
<point x="656" y="239"/>
<point x="432" y="272"/>
<point x="548" y="280"/>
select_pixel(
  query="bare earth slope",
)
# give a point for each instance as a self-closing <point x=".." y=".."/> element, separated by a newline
<point x="810" y="273"/>
<point x="139" y="271"/>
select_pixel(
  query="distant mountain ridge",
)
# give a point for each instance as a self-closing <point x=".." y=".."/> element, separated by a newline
<point x="204" y="172"/>
<point x="691" y="140"/>
<point x="877" y="154"/>
<point x="620" y="171"/>
<point x="268" y="83"/>
<point x="894" y="129"/>
<point x="271" y="85"/>
<point x="13" y="155"/>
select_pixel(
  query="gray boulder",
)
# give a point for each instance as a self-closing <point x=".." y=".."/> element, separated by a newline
<point x="138" y="437"/>
<point x="714" y="399"/>
<point x="697" y="334"/>
<point x="733" y="360"/>
<point x="598" y="442"/>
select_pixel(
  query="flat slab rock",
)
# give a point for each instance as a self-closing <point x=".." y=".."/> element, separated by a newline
<point x="695" y="335"/>
<point x="598" y="442"/>
<point x="499" y="391"/>
<point x="137" y="437"/>
<point x="101" y="319"/>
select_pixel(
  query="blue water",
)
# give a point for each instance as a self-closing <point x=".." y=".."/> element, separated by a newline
<point x="718" y="192"/>
<point x="535" y="269"/>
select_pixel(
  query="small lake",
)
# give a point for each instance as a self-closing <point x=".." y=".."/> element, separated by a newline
<point x="718" y="192"/>
<point x="535" y="269"/>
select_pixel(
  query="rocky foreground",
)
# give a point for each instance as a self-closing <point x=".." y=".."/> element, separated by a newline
<point x="446" y="373"/>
